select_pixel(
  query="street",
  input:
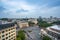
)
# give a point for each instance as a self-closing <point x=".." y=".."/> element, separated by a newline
<point x="32" y="33"/>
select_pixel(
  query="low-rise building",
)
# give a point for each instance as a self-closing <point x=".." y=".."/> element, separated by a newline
<point x="53" y="32"/>
<point x="8" y="31"/>
<point x="34" y="20"/>
<point x="23" y="24"/>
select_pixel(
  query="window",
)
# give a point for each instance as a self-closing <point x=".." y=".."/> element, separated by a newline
<point x="9" y="32"/>
<point x="14" y="39"/>
<point x="6" y="34"/>
<point x="3" y="35"/>
<point x="9" y="29"/>
<point x="6" y="37"/>
<point x="3" y="39"/>
<point x="12" y="35"/>
<point x="2" y="31"/>
<point x="9" y="36"/>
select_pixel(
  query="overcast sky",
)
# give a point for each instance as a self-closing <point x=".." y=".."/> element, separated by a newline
<point x="29" y="8"/>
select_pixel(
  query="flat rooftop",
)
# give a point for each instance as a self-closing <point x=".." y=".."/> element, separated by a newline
<point x="57" y="27"/>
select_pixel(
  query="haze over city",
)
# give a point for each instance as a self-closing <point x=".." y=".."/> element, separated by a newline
<point x="29" y="8"/>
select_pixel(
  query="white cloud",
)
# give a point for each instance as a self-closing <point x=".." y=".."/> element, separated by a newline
<point x="33" y="10"/>
<point x="17" y="5"/>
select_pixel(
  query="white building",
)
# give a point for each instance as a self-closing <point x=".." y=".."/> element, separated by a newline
<point x="53" y="32"/>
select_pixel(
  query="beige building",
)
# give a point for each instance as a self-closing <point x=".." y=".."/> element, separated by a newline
<point x="23" y="24"/>
<point x="53" y="32"/>
<point x="34" y="20"/>
<point x="8" y="31"/>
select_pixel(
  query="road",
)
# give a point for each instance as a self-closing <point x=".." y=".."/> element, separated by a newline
<point x="34" y="34"/>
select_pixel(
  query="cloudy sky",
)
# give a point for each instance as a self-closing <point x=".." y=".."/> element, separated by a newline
<point x="29" y="8"/>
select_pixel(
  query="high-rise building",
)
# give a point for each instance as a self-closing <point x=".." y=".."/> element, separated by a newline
<point x="51" y="17"/>
<point x="8" y="31"/>
<point x="40" y="18"/>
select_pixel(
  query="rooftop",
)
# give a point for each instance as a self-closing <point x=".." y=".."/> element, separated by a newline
<point x="56" y="27"/>
<point x="4" y="26"/>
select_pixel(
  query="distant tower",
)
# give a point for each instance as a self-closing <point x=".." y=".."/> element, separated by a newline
<point x="51" y="17"/>
<point x="40" y="18"/>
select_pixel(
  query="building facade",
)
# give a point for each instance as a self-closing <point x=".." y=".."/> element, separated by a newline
<point x="23" y="24"/>
<point x="8" y="31"/>
<point x="53" y="32"/>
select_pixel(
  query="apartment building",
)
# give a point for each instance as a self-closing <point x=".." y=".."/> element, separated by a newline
<point x="53" y="32"/>
<point x="8" y="31"/>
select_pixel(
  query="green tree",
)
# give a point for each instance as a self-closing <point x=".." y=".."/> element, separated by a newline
<point x="46" y="38"/>
<point x="21" y="35"/>
<point x="31" y="23"/>
<point x="44" y="24"/>
<point x="56" y="22"/>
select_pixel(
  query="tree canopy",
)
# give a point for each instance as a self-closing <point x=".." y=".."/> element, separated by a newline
<point x="46" y="38"/>
<point x="44" y="24"/>
<point x="31" y="23"/>
<point x="56" y="22"/>
<point x="21" y="35"/>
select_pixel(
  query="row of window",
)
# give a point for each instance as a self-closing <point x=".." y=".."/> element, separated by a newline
<point x="12" y="36"/>
<point x="53" y="34"/>
<point x="8" y="30"/>
<point x="9" y="39"/>
<point x="8" y="34"/>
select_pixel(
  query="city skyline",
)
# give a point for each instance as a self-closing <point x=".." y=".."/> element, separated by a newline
<point x="29" y="8"/>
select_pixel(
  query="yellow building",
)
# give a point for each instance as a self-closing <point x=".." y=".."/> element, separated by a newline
<point x="8" y="31"/>
<point x="23" y="24"/>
